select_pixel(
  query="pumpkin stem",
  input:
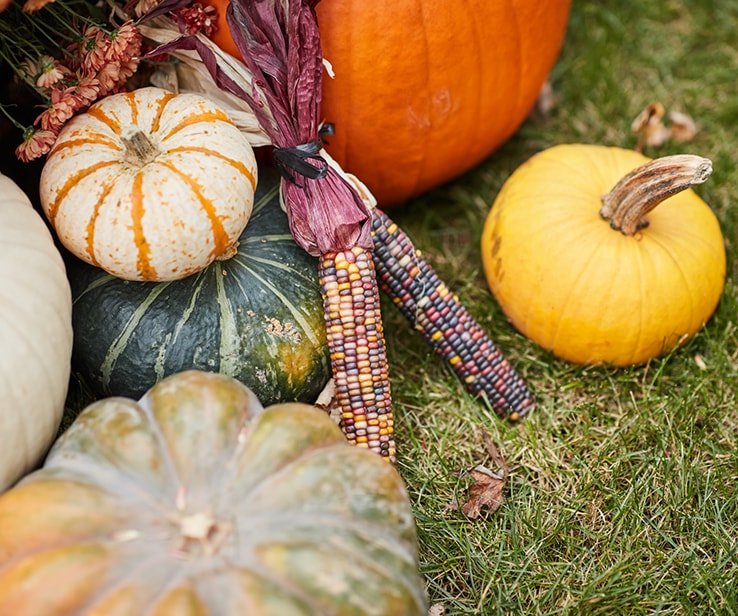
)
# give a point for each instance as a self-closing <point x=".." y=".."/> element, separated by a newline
<point x="201" y="534"/>
<point x="641" y="190"/>
<point x="140" y="150"/>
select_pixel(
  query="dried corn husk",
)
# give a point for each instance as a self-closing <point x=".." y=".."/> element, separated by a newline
<point x="191" y="75"/>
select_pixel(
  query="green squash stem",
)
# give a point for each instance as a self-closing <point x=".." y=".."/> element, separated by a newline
<point x="641" y="190"/>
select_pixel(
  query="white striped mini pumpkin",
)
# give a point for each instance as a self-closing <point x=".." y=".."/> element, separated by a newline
<point x="149" y="185"/>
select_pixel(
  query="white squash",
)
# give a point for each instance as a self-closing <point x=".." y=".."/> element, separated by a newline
<point x="150" y="185"/>
<point x="35" y="335"/>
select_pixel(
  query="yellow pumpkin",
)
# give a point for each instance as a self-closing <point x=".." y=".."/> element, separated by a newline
<point x="149" y="185"/>
<point x="35" y="335"/>
<point x="605" y="280"/>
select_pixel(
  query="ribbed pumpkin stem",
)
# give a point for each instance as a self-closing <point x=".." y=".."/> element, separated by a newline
<point x="140" y="150"/>
<point x="641" y="190"/>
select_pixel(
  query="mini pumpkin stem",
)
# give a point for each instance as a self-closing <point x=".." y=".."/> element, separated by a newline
<point x="641" y="190"/>
<point x="140" y="150"/>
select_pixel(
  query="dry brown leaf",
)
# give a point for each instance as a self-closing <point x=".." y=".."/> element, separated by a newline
<point x="651" y="131"/>
<point x="649" y="127"/>
<point x="682" y="127"/>
<point x="486" y="491"/>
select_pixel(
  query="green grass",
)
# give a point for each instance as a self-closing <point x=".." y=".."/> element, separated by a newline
<point x="622" y="492"/>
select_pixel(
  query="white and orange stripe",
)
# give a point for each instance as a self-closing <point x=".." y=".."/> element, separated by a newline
<point x="149" y="185"/>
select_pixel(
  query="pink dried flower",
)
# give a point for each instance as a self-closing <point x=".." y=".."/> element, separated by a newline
<point x="127" y="69"/>
<point x="125" y="42"/>
<point x="51" y="72"/>
<point x="88" y="89"/>
<point x="64" y="104"/>
<point x="93" y="49"/>
<point x="197" y="18"/>
<point x="109" y="76"/>
<point x="36" y="143"/>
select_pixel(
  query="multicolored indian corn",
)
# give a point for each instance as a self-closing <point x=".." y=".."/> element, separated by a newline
<point x="329" y="219"/>
<point x="431" y="307"/>
<point x="357" y="348"/>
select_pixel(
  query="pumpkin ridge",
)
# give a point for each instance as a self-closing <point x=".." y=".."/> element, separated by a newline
<point x="107" y="278"/>
<point x="86" y="139"/>
<point x="195" y="118"/>
<point x="130" y="100"/>
<point x="477" y="41"/>
<point x="115" y="468"/>
<point x="72" y="181"/>
<point x="362" y="529"/>
<point x="143" y="260"/>
<point x="273" y="237"/>
<point x="324" y="553"/>
<point x="243" y="169"/>
<point x="521" y="70"/>
<point x="131" y="576"/>
<point x="220" y="238"/>
<point x="590" y="261"/>
<point x="256" y="570"/>
<point x="161" y="105"/>
<point x="666" y="250"/>
<point x="37" y="566"/>
<point x="419" y="170"/>
<point x="228" y="329"/>
<point x="233" y="484"/>
<point x="19" y="556"/>
<point x="121" y="340"/>
<point x="92" y="222"/>
<point x="309" y="330"/>
<point x="97" y="112"/>
<point x="161" y="357"/>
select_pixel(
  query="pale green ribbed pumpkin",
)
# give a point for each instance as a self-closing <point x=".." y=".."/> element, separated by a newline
<point x="197" y="501"/>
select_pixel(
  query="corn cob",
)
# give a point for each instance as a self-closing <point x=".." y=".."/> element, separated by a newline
<point x="424" y="299"/>
<point x="357" y="348"/>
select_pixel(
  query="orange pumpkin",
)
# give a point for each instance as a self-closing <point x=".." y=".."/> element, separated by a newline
<point x="423" y="90"/>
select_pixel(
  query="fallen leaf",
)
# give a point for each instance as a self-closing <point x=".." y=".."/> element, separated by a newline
<point x="649" y="127"/>
<point x="682" y="127"/>
<point x="651" y="131"/>
<point x="486" y="491"/>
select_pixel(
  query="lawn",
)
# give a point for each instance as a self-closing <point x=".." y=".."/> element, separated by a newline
<point x="621" y="496"/>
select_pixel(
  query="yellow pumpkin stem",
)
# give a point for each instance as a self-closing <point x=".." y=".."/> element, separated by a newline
<point x="641" y="190"/>
<point x="140" y="150"/>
